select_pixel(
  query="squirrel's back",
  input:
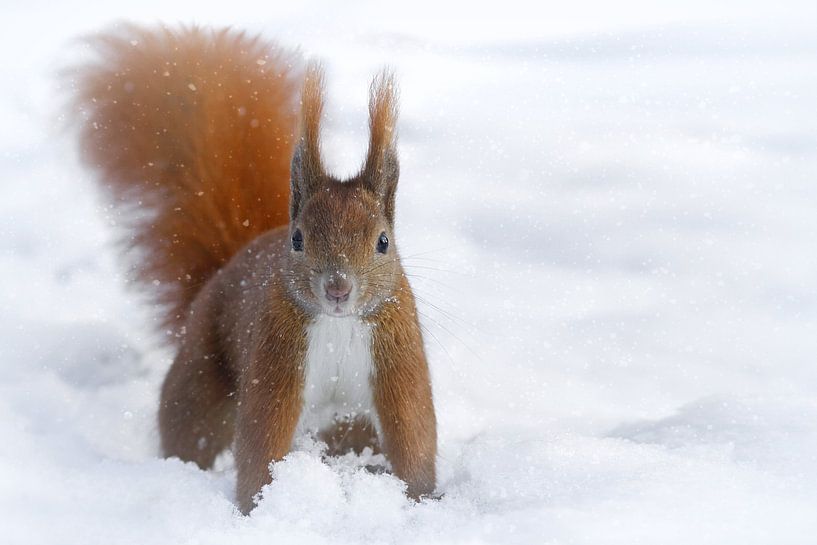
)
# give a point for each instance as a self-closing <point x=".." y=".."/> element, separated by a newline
<point x="191" y="133"/>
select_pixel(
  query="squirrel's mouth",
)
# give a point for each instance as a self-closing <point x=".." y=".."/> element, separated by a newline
<point x="340" y="312"/>
<point x="337" y="293"/>
<point x="341" y="309"/>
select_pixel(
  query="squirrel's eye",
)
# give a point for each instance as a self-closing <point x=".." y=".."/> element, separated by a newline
<point x="298" y="241"/>
<point x="383" y="243"/>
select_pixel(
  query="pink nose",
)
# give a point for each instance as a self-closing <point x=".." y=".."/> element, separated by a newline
<point x="338" y="289"/>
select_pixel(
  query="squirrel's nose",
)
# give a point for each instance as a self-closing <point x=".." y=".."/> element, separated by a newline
<point x="338" y="288"/>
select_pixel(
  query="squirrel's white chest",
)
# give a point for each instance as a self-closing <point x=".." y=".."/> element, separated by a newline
<point x="337" y="373"/>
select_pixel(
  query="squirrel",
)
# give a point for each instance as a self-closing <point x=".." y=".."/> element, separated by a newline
<point x="280" y="286"/>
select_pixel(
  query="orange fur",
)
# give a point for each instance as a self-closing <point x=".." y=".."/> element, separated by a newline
<point x="382" y="120"/>
<point x="195" y="126"/>
<point x="307" y="164"/>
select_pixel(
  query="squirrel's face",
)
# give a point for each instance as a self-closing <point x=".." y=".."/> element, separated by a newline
<point x="343" y="261"/>
<point x="342" y="251"/>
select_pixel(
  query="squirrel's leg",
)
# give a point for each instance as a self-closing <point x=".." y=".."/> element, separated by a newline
<point x="267" y="417"/>
<point x="197" y="408"/>
<point x="402" y="393"/>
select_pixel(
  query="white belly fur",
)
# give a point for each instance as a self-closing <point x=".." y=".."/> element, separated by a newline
<point x="337" y="373"/>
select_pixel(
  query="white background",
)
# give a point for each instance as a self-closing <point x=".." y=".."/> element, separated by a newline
<point x="608" y="210"/>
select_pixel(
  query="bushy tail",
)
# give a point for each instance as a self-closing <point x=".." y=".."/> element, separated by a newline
<point x="191" y="132"/>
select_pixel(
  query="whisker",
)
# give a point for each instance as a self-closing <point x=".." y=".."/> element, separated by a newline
<point x="438" y="324"/>
<point x="447" y="271"/>
<point x="427" y="330"/>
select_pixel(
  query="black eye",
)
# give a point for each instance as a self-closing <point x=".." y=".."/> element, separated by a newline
<point x="298" y="241"/>
<point x="383" y="243"/>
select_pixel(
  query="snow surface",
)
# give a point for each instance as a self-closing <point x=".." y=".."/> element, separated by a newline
<point x="608" y="210"/>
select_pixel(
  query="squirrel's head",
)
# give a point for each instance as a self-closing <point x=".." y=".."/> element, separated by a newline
<point x="342" y="250"/>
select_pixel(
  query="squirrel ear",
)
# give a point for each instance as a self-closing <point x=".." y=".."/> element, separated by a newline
<point x="306" y="172"/>
<point x="382" y="168"/>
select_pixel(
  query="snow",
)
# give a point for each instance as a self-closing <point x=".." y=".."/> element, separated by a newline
<point x="608" y="213"/>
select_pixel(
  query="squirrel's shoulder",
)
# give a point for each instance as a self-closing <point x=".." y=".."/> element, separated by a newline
<point x="256" y="267"/>
<point x="265" y="250"/>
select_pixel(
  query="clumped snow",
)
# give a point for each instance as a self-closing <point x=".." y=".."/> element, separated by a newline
<point x="608" y="213"/>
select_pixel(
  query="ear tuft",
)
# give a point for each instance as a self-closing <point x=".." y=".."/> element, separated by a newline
<point x="307" y="168"/>
<point x="382" y="169"/>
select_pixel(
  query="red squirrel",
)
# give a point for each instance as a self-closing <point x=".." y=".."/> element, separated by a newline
<point x="280" y="286"/>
